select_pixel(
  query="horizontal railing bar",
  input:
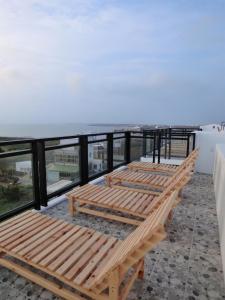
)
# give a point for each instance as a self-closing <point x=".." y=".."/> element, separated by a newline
<point x="97" y="141"/>
<point x="16" y="142"/>
<point x="105" y="133"/>
<point x="61" y="146"/>
<point x="118" y="138"/>
<point x="65" y="137"/>
<point x="15" y="153"/>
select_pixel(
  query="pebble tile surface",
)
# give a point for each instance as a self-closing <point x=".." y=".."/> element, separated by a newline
<point x="186" y="265"/>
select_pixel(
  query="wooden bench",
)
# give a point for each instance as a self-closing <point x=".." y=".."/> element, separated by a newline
<point x="162" y="168"/>
<point x="93" y="264"/>
<point x="134" y="204"/>
<point x="154" y="181"/>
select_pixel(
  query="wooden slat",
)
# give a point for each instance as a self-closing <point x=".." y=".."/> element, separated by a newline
<point x="32" y="230"/>
<point x="110" y="216"/>
<point x="62" y="254"/>
<point x="143" y="231"/>
<point x="37" y="279"/>
<point x="89" y="255"/>
<point x="28" y="245"/>
<point x="77" y="254"/>
<point x="47" y="251"/>
<point x="85" y="273"/>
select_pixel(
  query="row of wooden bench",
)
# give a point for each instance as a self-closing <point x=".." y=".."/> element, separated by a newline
<point x="84" y="263"/>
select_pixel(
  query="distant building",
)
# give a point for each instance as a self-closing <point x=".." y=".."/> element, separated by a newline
<point x="24" y="167"/>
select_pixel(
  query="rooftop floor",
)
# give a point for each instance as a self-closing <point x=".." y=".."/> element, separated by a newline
<point x="187" y="265"/>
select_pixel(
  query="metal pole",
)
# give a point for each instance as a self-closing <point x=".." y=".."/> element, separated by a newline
<point x="154" y="141"/>
<point x="127" y="147"/>
<point x="194" y="141"/>
<point x="144" y="150"/>
<point x="42" y="173"/>
<point x="110" y="152"/>
<point x="165" y="144"/>
<point x="159" y="146"/>
<point x="35" y="176"/>
<point x="83" y="159"/>
<point x="188" y="145"/>
<point x="170" y="134"/>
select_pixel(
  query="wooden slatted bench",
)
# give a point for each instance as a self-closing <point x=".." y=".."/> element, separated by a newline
<point x="154" y="181"/>
<point x="92" y="263"/>
<point x="162" y="168"/>
<point x="134" y="204"/>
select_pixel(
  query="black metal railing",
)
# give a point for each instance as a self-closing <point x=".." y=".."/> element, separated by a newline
<point x="32" y="171"/>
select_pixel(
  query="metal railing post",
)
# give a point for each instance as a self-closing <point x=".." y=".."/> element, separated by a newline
<point x="42" y="173"/>
<point x="83" y="159"/>
<point x="154" y="141"/>
<point x="110" y="152"/>
<point x="165" y="143"/>
<point x="170" y="135"/>
<point x="188" y="144"/>
<point x="144" y="147"/>
<point x="159" y="146"/>
<point x="35" y="176"/>
<point x="194" y="141"/>
<point x="127" y="147"/>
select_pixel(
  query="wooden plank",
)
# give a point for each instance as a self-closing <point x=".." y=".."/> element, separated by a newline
<point x="60" y="241"/>
<point x="86" y="272"/>
<point x="34" y="229"/>
<point x="39" y="245"/>
<point x="89" y="281"/>
<point x="20" y="232"/>
<point x="14" y="220"/>
<point x="7" y="233"/>
<point x="77" y="254"/>
<point x="26" y="246"/>
<point x="136" y="190"/>
<point x="37" y="279"/>
<point x="109" y="216"/>
<point x="63" y="253"/>
<point x="85" y="259"/>
<point x="131" y="281"/>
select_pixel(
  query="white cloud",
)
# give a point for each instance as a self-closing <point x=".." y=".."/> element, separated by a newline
<point x="110" y="53"/>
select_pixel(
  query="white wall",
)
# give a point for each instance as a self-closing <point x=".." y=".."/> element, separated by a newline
<point x="219" y="187"/>
<point x="206" y="142"/>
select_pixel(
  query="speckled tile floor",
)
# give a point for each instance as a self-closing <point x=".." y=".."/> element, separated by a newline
<point x="187" y="265"/>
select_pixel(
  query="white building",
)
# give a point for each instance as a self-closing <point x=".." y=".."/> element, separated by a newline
<point x="24" y="167"/>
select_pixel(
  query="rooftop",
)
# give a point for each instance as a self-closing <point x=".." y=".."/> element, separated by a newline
<point x="186" y="265"/>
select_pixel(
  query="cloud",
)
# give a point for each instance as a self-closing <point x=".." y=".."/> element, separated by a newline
<point x="108" y="60"/>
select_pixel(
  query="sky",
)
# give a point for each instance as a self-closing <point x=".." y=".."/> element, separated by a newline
<point x="98" y="61"/>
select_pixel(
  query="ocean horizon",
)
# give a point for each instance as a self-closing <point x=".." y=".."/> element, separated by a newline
<point x="54" y="130"/>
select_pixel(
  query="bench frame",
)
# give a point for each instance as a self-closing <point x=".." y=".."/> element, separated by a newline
<point x="108" y="288"/>
<point x="76" y="204"/>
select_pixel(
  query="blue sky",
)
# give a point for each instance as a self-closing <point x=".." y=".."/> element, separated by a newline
<point x="112" y="61"/>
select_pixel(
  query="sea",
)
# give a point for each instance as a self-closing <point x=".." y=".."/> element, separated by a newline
<point x="56" y="130"/>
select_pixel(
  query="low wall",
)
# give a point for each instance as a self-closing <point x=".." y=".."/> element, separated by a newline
<point x="219" y="187"/>
<point x="206" y="142"/>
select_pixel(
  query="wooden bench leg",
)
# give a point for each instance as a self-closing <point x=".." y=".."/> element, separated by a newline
<point x="72" y="208"/>
<point x="141" y="272"/>
<point x="108" y="181"/>
<point x="170" y="216"/>
<point x="114" y="281"/>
